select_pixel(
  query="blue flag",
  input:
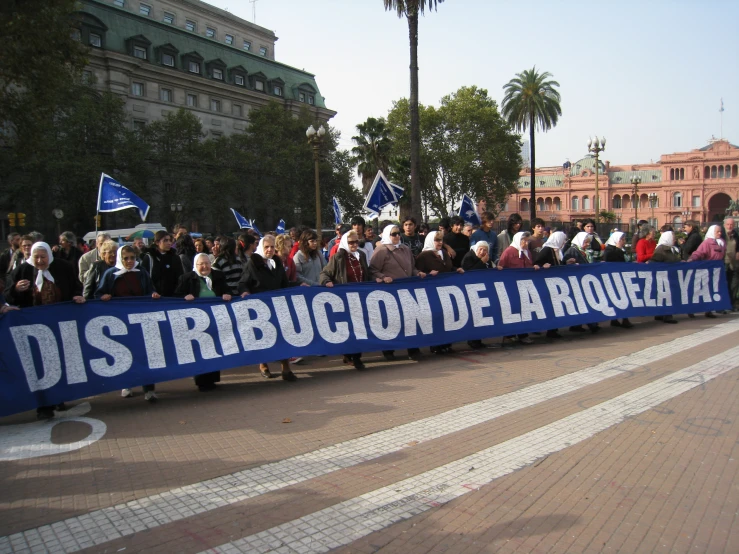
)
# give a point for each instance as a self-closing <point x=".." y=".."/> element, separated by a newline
<point x="338" y="212"/>
<point x="380" y="194"/>
<point x="113" y="197"/>
<point x="241" y="221"/>
<point x="253" y="227"/>
<point x="397" y="191"/>
<point x="280" y="227"/>
<point x="468" y="212"/>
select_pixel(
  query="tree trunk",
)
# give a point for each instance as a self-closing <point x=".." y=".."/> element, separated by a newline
<point x="415" y="124"/>
<point x="532" y="201"/>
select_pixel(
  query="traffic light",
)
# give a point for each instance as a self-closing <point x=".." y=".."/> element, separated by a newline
<point x="21" y="220"/>
<point x="11" y="219"/>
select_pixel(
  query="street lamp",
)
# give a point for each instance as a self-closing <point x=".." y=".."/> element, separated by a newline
<point x="652" y="204"/>
<point x="596" y="147"/>
<point x="177" y="211"/>
<point x="636" y="181"/>
<point x="686" y="215"/>
<point x="297" y="211"/>
<point x="315" y="139"/>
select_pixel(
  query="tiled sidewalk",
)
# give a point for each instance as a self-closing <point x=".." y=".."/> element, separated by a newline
<point x="618" y="487"/>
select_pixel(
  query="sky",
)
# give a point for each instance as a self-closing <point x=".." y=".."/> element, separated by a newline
<point x="648" y="75"/>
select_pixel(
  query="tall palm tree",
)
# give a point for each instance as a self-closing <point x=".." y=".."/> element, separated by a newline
<point x="372" y="150"/>
<point x="410" y="10"/>
<point x="532" y="102"/>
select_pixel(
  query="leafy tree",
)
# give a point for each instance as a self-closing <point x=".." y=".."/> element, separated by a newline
<point x="372" y="150"/>
<point x="531" y="102"/>
<point x="410" y="9"/>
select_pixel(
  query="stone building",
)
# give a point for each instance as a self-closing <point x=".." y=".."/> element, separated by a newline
<point x="160" y="55"/>
<point x="685" y="185"/>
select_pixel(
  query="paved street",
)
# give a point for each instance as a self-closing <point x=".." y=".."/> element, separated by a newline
<point x="624" y="441"/>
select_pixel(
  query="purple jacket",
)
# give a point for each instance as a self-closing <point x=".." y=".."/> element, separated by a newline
<point x="709" y="249"/>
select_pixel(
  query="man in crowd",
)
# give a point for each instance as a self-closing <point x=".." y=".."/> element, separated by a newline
<point x="67" y="251"/>
<point x="92" y="256"/>
<point x="358" y="225"/>
<point x="457" y="240"/>
<point x="6" y="258"/>
<point x="537" y="235"/>
<point x="731" y="259"/>
<point x="410" y="237"/>
<point x="486" y="233"/>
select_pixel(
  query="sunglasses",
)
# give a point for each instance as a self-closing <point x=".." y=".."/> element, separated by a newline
<point x="438" y="240"/>
<point x="352" y="242"/>
<point x="396" y="234"/>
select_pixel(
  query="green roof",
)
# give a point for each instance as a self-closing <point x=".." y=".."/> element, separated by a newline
<point x="123" y="25"/>
<point x="588" y="162"/>
<point x="624" y="177"/>
<point x="542" y="181"/>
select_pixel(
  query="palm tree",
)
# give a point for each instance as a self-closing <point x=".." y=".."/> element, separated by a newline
<point x="372" y="150"/>
<point x="532" y="102"/>
<point x="410" y="10"/>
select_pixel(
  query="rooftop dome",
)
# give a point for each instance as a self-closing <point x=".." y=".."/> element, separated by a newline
<point x="588" y="162"/>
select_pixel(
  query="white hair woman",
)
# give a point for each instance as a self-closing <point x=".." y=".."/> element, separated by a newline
<point x="478" y="257"/>
<point x="713" y="247"/>
<point x="614" y="252"/>
<point x="576" y="254"/>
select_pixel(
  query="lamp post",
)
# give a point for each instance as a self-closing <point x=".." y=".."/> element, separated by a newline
<point x="176" y="211"/>
<point x="686" y="214"/>
<point x="652" y="204"/>
<point x="297" y="211"/>
<point x="636" y="181"/>
<point x="596" y="147"/>
<point x="315" y="139"/>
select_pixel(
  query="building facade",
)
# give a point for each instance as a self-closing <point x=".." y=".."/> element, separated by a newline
<point x="161" y="55"/>
<point x="696" y="185"/>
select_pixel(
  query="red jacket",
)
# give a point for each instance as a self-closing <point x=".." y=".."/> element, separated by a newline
<point x="645" y="249"/>
<point x="511" y="259"/>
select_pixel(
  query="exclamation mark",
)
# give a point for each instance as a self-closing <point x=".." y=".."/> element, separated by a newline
<point x="716" y="275"/>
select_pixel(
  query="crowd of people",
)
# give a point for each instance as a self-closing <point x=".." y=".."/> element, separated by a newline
<point x="33" y="273"/>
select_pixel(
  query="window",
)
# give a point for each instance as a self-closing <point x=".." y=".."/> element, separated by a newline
<point x="139" y="52"/>
<point x="585" y="203"/>
<point x="247" y="45"/>
<point x="277" y="91"/>
<point x="168" y="18"/>
<point x="575" y="203"/>
<point x="217" y="133"/>
<point x="616" y="202"/>
<point x="137" y="89"/>
<point x="215" y="105"/>
<point x="229" y="39"/>
<point x="190" y="25"/>
<point x="237" y="110"/>
<point x="696" y="202"/>
<point x="118" y="3"/>
<point x="168" y="59"/>
<point x="193" y="67"/>
<point x="301" y="97"/>
<point x="677" y="200"/>
<point x="144" y="9"/>
<point x="310" y="100"/>
<point x="87" y="77"/>
<point x="218" y="74"/>
<point x="192" y="100"/>
<point x="210" y="33"/>
<point x="95" y="40"/>
<point x="138" y="125"/>
<point x="165" y="94"/>
<point x="263" y="51"/>
<point x="239" y="80"/>
<point x="259" y="85"/>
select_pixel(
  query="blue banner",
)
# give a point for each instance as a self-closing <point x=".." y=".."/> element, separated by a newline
<point x="338" y="212"/>
<point x="380" y="194"/>
<point x="244" y="223"/>
<point x="67" y="351"/>
<point x="468" y="212"/>
<point x="113" y="197"/>
<point x="280" y="227"/>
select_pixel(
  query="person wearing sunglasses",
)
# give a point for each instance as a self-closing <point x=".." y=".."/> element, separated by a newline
<point x="348" y="265"/>
<point x="394" y="260"/>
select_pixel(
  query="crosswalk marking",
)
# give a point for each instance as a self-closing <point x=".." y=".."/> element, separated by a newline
<point x="107" y="524"/>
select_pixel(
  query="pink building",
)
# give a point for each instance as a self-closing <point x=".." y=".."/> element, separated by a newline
<point x="685" y="185"/>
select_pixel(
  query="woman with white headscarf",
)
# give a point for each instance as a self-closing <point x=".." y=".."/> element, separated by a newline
<point x="126" y="279"/>
<point x="265" y="272"/>
<point x="43" y="280"/>
<point x="478" y="257"/>
<point x="713" y="247"/>
<point x="576" y="252"/>
<point x="434" y="260"/>
<point x="614" y="252"/>
<point x="666" y="252"/>
<point x="394" y="260"/>
<point x="347" y="265"/>
<point x="204" y="282"/>
<point x="552" y="251"/>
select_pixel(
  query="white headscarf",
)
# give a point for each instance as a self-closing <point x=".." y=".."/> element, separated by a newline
<point x="344" y="245"/>
<point x="616" y="236"/>
<point x="260" y="250"/>
<point x="556" y="242"/>
<point x="666" y="239"/>
<point x="208" y="280"/>
<point x="119" y="264"/>
<point x="429" y="243"/>
<point x="711" y="233"/>
<point x="45" y="273"/>
<point x="386" y="239"/>
<point x="516" y="243"/>
<point x="580" y="239"/>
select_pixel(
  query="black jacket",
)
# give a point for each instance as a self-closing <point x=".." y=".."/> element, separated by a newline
<point x="546" y="255"/>
<point x="65" y="278"/>
<point x="665" y="254"/>
<point x="471" y="261"/>
<point x="165" y="270"/>
<point x="613" y="254"/>
<point x="258" y="277"/>
<point x="94" y="276"/>
<point x="691" y="244"/>
<point x="574" y="254"/>
<point x="460" y="243"/>
<point x="189" y="283"/>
